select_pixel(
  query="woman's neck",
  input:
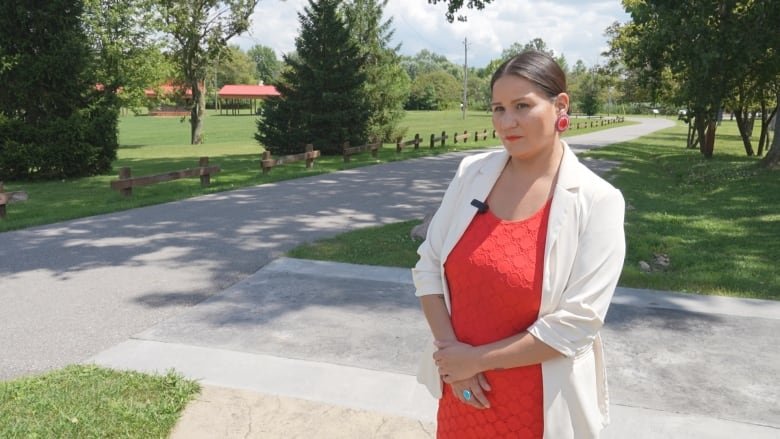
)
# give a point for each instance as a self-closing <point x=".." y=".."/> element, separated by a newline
<point x="544" y="164"/>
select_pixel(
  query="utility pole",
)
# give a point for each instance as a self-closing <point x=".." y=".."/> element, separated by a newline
<point x="464" y="104"/>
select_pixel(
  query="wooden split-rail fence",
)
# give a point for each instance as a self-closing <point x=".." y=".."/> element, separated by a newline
<point x="127" y="182"/>
<point x="8" y="198"/>
<point x="309" y="155"/>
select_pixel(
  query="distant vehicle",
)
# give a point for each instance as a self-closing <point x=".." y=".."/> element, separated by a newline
<point x="682" y="115"/>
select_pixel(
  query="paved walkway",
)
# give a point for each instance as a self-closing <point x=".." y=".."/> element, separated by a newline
<point x="121" y="290"/>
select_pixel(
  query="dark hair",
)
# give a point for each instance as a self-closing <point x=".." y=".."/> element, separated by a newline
<point x="537" y="67"/>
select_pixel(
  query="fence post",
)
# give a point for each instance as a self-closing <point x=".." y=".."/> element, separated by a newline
<point x="416" y="141"/>
<point x="476" y="136"/>
<point x="465" y="136"/>
<point x="124" y="173"/>
<point x="205" y="177"/>
<point x="398" y="145"/>
<point x="266" y="156"/>
<point x="443" y="137"/>
<point x="344" y="151"/>
<point x="375" y="148"/>
<point x="2" y="206"/>
<point x="309" y="156"/>
<point x="433" y="137"/>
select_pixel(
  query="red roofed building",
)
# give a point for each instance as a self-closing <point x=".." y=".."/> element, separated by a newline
<point x="231" y="96"/>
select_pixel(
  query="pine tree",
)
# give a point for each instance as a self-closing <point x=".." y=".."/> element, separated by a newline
<point x="53" y="123"/>
<point x="322" y="89"/>
<point x="387" y="83"/>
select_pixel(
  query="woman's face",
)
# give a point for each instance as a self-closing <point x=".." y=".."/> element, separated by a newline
<point x="524" y="117"/>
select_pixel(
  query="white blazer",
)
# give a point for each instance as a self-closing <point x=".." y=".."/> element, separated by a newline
<point x="583" y="259"/>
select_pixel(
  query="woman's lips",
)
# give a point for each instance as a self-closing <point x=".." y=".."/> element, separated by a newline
<point x="513" y="138"/>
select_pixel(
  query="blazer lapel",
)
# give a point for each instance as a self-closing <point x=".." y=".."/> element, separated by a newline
<point x="561" y="212"/>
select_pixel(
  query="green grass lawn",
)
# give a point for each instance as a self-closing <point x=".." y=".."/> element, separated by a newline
<point x="717" y="220"/>
<point x="153" y="145"/>
<point x="93" y="402"/>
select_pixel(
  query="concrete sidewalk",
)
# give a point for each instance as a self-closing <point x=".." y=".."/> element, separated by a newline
<point x="306" y="346"/>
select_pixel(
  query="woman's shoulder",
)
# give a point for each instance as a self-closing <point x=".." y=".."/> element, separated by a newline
<point x="474" y="162"/>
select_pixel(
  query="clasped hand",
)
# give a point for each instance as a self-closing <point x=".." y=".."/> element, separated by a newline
<point x="458" y="368"/>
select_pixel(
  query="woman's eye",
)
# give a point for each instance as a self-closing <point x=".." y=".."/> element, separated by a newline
<point x="521" y="105"/>
<point x="497" y="109"/>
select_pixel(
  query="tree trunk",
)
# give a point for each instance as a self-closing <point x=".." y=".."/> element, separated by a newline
<point x="766" y="119"/>
<point x="708" y="146"/>
<point x="692" y="138"/>
<point x="700" y="126"/>
<point x="741" y="115"/>
<point x="772" y="159"/>
<point x="196" y="115"/>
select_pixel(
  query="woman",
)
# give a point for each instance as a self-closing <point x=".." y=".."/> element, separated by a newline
<point x="517" y="271"/>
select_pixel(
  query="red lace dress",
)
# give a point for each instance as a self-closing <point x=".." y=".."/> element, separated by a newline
<point x="494" y="275"/>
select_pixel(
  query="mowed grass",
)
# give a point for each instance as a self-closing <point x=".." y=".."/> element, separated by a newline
<point x="716" y="219"/>
<point x="93" y="402"/>
<point x="154" y="145"/>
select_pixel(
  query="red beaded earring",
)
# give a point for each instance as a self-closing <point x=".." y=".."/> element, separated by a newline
<point x="562" y="123"/>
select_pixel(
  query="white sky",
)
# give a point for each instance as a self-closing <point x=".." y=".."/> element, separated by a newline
<point x="572" y="27"/>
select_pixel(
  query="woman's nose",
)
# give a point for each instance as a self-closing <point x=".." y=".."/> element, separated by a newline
<point x="507" y="120"/>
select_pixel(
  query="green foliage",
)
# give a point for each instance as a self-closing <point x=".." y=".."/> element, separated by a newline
<point x="453" y="6"/>
<point x="55" y="123"/>
<point x="267" y="66"/>
<point x="323" y="99"/>
<point x="702" y="45"/>
<point x="236" y="67"/>
<point x="436" y="90"/>
<point x="93" y="402"/>
<point x="426" y="61"/>
<point x="126" y="60"/>
<point x="387" y="84"/>
<point x="589" y="100"/>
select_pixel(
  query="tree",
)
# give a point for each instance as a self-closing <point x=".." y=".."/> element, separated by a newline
<point x="387" y="85"/>
<point x="53" y="123"/>
<point x="267" y="66"/>
<point x="236" y="67"/>
<point x="453" y="6"/>
<point x="589" y="94"/>
<point x="426" y="61"/>
<point x="126" y="60"/>
<point x="700" y="44"/>
<point x="437" y="90"/>
<point x="197" y="34"/>
<point x="322" y="90"/>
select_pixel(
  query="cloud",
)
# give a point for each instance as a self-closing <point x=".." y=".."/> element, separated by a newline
<point x="574" y="28"/>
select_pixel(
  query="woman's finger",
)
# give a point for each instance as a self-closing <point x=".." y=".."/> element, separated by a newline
<point x="483" y="382"/>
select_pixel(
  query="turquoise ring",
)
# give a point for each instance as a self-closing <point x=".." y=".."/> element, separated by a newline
<point x="467" y="395"/>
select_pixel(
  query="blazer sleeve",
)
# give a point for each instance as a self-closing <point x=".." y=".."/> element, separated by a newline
<point x="426" y="274"/>
<point x="572" y="327"/>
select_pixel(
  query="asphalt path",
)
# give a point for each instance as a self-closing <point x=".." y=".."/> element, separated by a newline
<point x="73" y="289"/>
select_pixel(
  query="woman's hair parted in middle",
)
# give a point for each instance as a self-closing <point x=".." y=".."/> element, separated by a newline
<point x="536" y="67"/>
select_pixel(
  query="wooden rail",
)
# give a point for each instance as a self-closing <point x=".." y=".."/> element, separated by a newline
<point x="400" y="144"/>
<point x="348" y="151"/>
<point x="442" y="139"/>
<point x="127" y="182"/>
<point x="8" y="198"/>
<point x="309" y="155"/>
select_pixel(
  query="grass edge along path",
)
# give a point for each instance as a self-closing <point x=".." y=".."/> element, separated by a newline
<point x="715" y="219"/>
<point x="154" y="145"/>
<point x="88" y="401"/>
